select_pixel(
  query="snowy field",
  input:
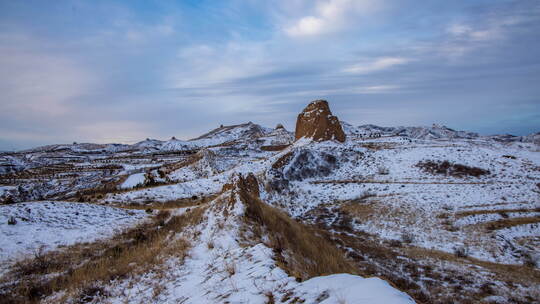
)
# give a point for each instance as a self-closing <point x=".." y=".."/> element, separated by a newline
<point x="54" y="224"/>
<point x="227" y="272"/>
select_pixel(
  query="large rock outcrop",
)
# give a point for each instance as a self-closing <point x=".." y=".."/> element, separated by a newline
<point x="317" y="122"/>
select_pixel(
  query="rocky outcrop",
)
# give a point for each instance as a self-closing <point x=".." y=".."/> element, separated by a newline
<point x="317" y="122"/>
<point x="243" y="184"/>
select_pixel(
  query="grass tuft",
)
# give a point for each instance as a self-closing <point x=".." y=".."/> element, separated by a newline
<point x="299" y="250"/>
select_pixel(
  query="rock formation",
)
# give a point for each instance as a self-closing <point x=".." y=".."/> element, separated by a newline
<point x="317" y="122"/>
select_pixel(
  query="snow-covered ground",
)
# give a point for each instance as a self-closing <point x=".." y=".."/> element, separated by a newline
<point x="374" y="176"/>
<point x="133" y="181"/>
<point x="409" y="200"/>
<point x="226" y="272"/>
<point x="52" y="224"/>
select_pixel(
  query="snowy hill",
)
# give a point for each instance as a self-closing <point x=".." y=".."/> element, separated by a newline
<point x="433" y="132"/>
<point x="246" y="214"/>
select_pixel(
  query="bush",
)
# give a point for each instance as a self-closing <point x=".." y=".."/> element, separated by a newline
<point x="9" y="200"/>
<point x="383" y="170"/>
<point x="395" y="243"/>
<point x="448" y="168"/>
<point x="407" y="237"/>
<point x="461" y="251"/>
<point x="530" y="260"/>
<point x="12" y="221"/>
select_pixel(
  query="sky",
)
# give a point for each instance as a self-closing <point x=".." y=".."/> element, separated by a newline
<point x="122" y="71"/>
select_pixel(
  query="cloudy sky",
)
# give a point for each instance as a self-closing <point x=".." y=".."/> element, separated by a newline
<point x="122" y="71"/>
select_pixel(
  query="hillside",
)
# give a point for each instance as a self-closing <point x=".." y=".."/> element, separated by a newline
<point x="249" y="214"/>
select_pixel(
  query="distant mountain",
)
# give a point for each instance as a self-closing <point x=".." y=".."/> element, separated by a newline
<point x="434" y="132"/>
<point x="225" y="134"/>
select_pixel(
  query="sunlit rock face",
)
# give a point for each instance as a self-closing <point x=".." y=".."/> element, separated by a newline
<point x="316" y="121"/>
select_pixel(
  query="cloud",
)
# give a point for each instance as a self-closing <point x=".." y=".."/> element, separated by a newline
<point x="464" y="31"/>
<point x="123" y="131"/>
<point x="36" y="83"/>
<point x="182" y="69"/>
<point x="378" y="64"/>
<point x="331" y="16"/>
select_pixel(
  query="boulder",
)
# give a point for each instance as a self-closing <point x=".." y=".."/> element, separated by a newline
<point x="316" y="121"/>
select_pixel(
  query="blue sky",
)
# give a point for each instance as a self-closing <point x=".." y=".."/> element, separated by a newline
<point x="122" y="71"/>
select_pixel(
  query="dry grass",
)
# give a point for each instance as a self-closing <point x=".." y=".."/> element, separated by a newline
<point x="172" y="204"/>
<point x="361" y="211"/>
<point x="282" y="161"/>
<point x="510" y="222"/>
<point x="370" y="181"/>
<point x="78" y="268"/>
<point x="516" y="273"/>
<point x="495" y="204"/>
<point x="452" y="169"/>
<point x="274" y="148"/>
<point x="429" y="276"/>
<point x="378" y="146"/>
<point x="299" y="250"/>
<point x="495" y="211"/>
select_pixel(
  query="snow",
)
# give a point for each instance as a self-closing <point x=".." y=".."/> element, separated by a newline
<point x="346" y="288"/>
<point x="54" y="224"/>
<point x="229" y="272"/>
<point x="411" y="200"/>
<point x="133" y="181"/>
<point x="6" y="189"/>
<point x="380" y="161"/>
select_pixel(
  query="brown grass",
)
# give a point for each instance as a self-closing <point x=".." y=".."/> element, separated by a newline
<point x="378" y="146"/>
<point x="299" y="249"/>
<point x="282" y="161"/>
<point x="494" y="211"/>
<point x="172" y="204"/>
<point x="495" y="204"/>
<point x="517" y="273"/>
<point x="77" y="268"/>
<point x="452" y="169"/>
<point x="510" y="222"/>
<point x="274" y="148"/>
<point x="369" y="181"/>
<point x="374" y="257"/>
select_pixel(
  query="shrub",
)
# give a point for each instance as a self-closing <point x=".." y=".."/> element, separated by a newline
<point x="230" y="268"/>
<point x="383" y="170"/>
<point x="395" y="243"/>
<point x="9" y="200"/>
<point x="461" y="251"/>
<point x="92" y="292"/>
<point x="448" y="168"/>
<point x="12" y="221"/>
<point x="407" y="237"/>
<point x="530" y="260"/>
<point x="163" y="215"/>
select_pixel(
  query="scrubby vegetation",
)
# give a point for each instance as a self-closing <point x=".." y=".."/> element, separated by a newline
<point x="298" y="248"/>
<point x="82" y="270"/>
<point x="451" y="169"/>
